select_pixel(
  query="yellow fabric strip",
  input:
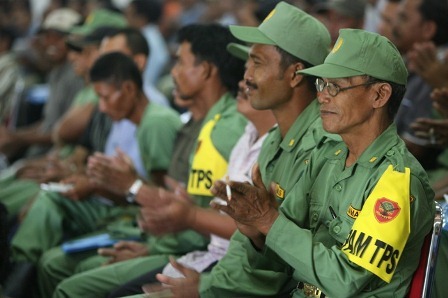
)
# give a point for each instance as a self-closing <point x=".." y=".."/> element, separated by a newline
<point x="208" y="164"/>
<point x="380" y="232"/>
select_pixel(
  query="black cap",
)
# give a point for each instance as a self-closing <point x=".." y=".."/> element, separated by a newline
<point x="78" y="42"/>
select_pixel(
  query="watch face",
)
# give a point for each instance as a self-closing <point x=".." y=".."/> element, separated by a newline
<point x="133" y="190"/>
<point x="130" y="197"/>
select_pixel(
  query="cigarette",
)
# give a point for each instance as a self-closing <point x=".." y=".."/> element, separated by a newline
<point x="432" y="136"/>
<point x="228" y="190"/>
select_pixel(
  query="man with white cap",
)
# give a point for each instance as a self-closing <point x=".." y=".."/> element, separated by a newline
<point x="63" y="85"/>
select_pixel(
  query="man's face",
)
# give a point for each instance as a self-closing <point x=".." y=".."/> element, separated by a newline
<point x="408" y="27"/>
<point x="188" y="74"/>
<point x="387" y="16"/>
<point x="267" y="84"/>
<point x="83" y="61"/>
<point x="118" y="43"/>
<point x="113" y="101"/>
<point x="243" y="104"/>
<point x="54" y="43"/>
<point x="115" y="43"/>
<point x="337" y="21"/>
<point x="350" y="111"/>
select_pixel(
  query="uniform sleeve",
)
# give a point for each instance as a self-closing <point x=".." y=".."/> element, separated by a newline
<point x="329" y="269"/>
<point x="178" y="243"/>
<point x="246" y="272"/>
<point x="157" y="142"/>
<point x="227" y="132"/>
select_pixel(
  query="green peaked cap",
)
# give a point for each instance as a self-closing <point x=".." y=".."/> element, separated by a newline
<point x="238" y="50"/>
<point x="358" y="52"/>
<point x="292" y="30"/>
<point x="100" y="18"/>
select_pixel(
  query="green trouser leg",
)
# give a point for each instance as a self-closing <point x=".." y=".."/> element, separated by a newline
<point x="90" y="263"/>
<point x="16" y="193"/>
<point x="53" y="218"/>
<point x="100" y="281"/>
<point x="55" y="266"/>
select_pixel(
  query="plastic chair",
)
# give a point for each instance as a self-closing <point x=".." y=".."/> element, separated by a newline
<point x="423" y="278"/>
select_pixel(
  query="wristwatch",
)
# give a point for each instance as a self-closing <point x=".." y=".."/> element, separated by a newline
<point x="133" y="190"/>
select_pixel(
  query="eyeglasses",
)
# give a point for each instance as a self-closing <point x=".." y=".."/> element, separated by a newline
<point x="334" y="89"/>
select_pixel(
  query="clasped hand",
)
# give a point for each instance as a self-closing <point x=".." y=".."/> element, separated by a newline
<point x="250" y="205"/>
<point x="116" y="173"/>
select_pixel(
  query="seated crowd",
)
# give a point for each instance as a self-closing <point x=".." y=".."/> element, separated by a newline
<point x="270" y="148"/>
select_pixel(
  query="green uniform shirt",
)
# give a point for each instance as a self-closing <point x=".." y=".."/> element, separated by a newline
<point x="281" y="157"/>
<point x="243" y="271"/>
<point x="225" y="134"/>
<point x="308" y="238"/>
<point x="230" y="126"/>
<point x="155" y="135"/>
<point x="85" y="95"/>
<point x="183" y="146"/>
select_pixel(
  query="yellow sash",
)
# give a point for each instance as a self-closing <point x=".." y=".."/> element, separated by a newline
<point x="380" y="232"/>
<point x="208" y="164"/>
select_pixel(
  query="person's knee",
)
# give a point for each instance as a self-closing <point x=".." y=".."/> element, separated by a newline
<point x="65" y="289"/>
<point x="46" y="264"/>
<point x="90" y="263"/>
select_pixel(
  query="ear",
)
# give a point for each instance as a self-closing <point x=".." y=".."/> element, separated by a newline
<point x="129" y="88"/>
<point x="383" y="92"/>
<point x="297" y="78"/>
<point x="429" y="29"/>
<point x="208" y="70"/>
<point x="140" y="60"/>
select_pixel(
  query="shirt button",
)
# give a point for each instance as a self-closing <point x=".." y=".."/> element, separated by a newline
<point x="338" y="187"/>
<point x="270" y="168"/>
<point x="390" y="153"/>
<point x="337" y="229"/>
<point x="315" y="216"/>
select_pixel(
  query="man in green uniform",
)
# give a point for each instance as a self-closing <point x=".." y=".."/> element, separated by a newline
<point x="355" y="224"/>
<point x="53" y="216"/>
<point x="20" y="183"/>
<point x="273" y="83"/>
<point x="205" y="73"/>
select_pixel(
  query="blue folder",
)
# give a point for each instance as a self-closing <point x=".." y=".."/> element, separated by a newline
<point x="92" y="242"/>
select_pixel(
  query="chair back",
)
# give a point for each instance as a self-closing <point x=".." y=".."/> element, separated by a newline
<point x="423" y="278"/>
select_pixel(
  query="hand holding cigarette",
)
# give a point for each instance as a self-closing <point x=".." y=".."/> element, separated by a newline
<point x="228" y="189"/>
<point x="251" y="205"/>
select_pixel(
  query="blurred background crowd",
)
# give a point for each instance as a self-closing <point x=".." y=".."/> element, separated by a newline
<point x="30" y="55"/>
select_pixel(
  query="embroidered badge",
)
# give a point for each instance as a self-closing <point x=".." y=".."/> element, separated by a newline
<point x="338" y="45"/>
<point x="386" y="210"/>
<point x="269" y="15"/>
<point x="279" y="192"/>
<point x="353" y="212"/>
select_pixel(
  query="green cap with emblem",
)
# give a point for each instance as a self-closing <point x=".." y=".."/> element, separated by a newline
<point x="100" y="18"/>
<point x="358" y="52"/>
<point x="292" y="30"/>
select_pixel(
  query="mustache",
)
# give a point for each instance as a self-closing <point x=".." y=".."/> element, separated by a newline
<point x="251" y="85"/>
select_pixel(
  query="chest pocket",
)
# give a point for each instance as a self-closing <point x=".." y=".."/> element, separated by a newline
<point x="208" y="164"/>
